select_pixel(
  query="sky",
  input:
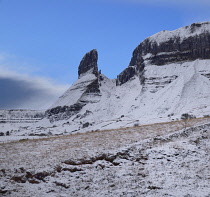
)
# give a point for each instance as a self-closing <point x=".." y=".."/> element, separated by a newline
<point x="43" y="41"/>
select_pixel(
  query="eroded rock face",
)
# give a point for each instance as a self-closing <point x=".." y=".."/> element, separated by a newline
<point x="185" y="44"/>
<point x="89" y="63"/>
<point x="88" y="87"/>
<point x="63" y="112"/>
<point x="126" y="75"/>
<point x="174" y="50"/>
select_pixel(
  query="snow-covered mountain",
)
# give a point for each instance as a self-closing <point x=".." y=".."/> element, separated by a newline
<point x="20" y="115"/>
<point x="168" y="75"/>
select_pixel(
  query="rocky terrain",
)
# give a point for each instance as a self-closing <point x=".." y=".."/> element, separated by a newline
<point x="20" y="114"/>
<point x="152" y="160"/>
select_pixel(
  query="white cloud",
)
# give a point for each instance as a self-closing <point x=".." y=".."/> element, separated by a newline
<point x="20" y="88"/>
<point x="25" y="91"/>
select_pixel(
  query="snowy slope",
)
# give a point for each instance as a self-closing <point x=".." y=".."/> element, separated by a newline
<point x="131" y="103"/>
<point x="75" y="92"/>
<point x="134" y="103"/>
<point x="20" y="114"/>
<point x="181" y="33"/>
<point x="155" y="160"/>
<point x="138" y="102"/>
<point x="188" y="93"/>
<point x="169" y="75"/>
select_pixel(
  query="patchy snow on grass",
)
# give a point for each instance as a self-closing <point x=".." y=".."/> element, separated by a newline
<point x="153" y="160"/>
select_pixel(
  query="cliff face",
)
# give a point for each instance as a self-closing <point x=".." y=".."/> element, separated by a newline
<point x="185" y="44"/>
<point x="168" y="75"/>
<point x="89" y="63"/>
<point x="81" y="92"/>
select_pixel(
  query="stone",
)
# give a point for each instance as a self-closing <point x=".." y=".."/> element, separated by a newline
<point x="89" y="63"/>
<point x="19" y="179"/>
<point x="126" y="75"/>
<point x="174" y="50"/>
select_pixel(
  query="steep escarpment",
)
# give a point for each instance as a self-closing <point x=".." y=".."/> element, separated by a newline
<point x="89" y="64"/>
<point x="184" y="44"/>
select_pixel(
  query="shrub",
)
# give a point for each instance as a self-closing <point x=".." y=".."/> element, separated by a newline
<point x="86" y="125"/>
<point x="136" y="124"/>
<point x="206" y="116"/>
<point x="187" y="116"/>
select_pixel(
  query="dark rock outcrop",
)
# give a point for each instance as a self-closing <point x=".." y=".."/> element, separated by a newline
<point x="89" y="63"/>
<point x="93" y="87"/>
<point x="175" y="49"/>
<point x="126" y="75"/>
<point x="63" y="112"/>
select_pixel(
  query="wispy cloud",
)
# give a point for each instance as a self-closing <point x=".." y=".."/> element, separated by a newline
<point x="26" y="91"/>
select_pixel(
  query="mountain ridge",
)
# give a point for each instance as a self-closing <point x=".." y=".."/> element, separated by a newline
<point x="157" y="83"/>
<point x="120" y="136"/>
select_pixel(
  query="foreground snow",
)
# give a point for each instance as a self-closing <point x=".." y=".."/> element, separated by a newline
<point x="154" y="160"/>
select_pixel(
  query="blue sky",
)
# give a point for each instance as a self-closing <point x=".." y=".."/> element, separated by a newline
<point x="43" y="41"/>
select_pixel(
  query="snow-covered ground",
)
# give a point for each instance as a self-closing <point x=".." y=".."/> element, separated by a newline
<point x="168" y="92"/>
<point x="20" y="115"/>
<point x="187" y="92"/>
<point x="153" y="160"/>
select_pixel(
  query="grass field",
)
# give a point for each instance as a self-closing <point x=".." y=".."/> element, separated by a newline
<point x="136" y="143"/>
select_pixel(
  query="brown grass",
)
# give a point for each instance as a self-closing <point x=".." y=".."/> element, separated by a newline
<point x="48" y="151"/>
